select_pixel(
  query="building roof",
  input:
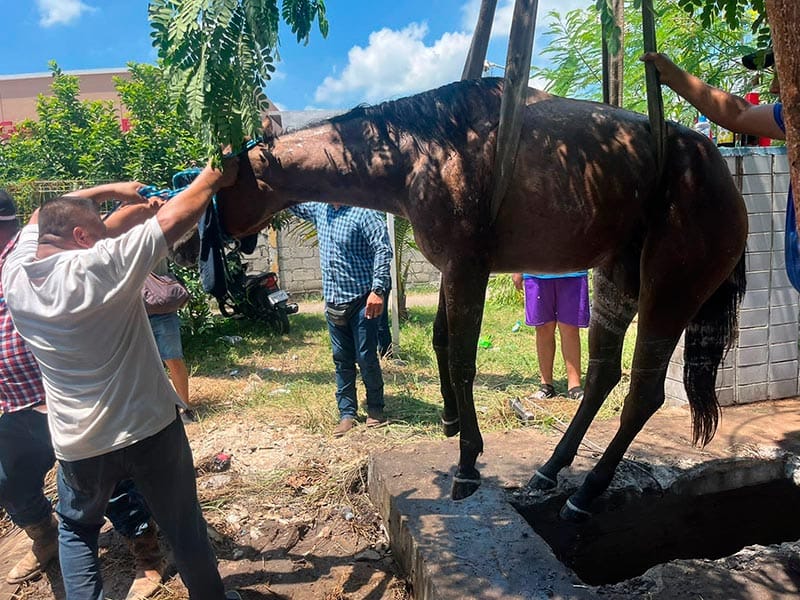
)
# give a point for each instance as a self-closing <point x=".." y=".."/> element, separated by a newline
<point x="78" y="72"/>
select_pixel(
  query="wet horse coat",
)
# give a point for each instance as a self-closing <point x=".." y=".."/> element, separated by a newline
<point x="586" y="192"/>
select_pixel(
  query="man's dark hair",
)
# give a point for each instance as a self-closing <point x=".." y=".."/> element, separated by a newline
<point x="59" y="216"/>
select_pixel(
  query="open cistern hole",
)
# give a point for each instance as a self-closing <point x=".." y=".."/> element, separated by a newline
<point x="710" y="517"/>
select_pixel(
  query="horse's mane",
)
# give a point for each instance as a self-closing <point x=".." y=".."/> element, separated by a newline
<point x="442" y="116"/>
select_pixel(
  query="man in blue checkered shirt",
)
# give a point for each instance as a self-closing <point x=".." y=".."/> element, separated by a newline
<point x="355" y="257"/>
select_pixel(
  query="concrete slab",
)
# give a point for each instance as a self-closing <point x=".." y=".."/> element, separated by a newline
<point x="482" y="548"/>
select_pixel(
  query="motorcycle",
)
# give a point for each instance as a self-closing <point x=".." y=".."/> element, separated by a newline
<point x="255" y="296"/>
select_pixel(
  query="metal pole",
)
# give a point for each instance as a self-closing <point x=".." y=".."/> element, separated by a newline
<point x="394" y="300"/>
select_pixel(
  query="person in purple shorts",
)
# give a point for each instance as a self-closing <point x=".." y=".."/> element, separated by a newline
<point x="563" y="301"/>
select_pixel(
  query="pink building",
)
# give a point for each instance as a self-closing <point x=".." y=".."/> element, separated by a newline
<point x="18" y="93"/>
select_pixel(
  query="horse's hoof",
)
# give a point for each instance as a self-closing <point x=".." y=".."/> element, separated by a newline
<point x="542" y="482"/>
<point x="451" y="428"/>
<point x="464" y="488"/>
<point x="574" y="514"/>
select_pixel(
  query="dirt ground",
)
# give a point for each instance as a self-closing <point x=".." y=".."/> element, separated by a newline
<point x="272" y="544"/>
<point x="290" y="518"/>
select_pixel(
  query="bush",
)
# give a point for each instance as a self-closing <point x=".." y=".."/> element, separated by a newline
<point x="501" y="291"/>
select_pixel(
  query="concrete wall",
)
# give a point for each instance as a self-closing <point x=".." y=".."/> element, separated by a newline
<point x="764" y="362"/>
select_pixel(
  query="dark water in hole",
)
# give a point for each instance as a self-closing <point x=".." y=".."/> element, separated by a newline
<point x="623" y="543"/>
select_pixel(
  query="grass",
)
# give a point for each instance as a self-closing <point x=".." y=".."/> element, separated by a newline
<point x="291" y="377"/>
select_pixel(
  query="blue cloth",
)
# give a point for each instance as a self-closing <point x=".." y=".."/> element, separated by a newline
<point x="162" y="468"/>
<point x="791" y="241"/>
<point x="354" y="249"/>
<point x="357" y="343"/>
<point x="167" y="331"/>
<point x="554" y="276"/>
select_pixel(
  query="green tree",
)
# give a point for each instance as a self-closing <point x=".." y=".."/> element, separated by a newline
<point x="71" y="139"/>
<point x="575" y="52"/>
<point x="219" y="54"/>
<point x="161" y="139"/>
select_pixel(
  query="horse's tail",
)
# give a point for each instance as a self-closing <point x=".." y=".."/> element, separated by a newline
<point x="709" y="335"/>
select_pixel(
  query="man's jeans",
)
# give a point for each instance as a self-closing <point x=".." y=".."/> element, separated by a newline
<point x="161" y="467"/>
<point x="356" y="343"/>
<point x="26" y="455"/>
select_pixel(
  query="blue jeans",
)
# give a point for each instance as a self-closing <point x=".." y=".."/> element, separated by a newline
<point x="26" y="455"/>
<point x="356" y="343"/>
<point x="162" y="468"/>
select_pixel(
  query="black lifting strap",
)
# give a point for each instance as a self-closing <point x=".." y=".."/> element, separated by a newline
<point x="655" y="102"/>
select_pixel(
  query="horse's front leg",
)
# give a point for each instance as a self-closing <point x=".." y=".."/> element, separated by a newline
<point x="465" y="291"/>
<point x="450" y="422"/>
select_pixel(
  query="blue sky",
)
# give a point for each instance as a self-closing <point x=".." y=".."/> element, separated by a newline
<point x="375" y="49"/>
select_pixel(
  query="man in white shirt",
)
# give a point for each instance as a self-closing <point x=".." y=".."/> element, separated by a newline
<point x="75" y="297"/>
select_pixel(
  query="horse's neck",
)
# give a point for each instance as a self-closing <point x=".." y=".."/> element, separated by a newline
<point x="316" y="164"/>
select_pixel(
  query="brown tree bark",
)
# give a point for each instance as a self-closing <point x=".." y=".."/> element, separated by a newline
<point x="784" y="20"/>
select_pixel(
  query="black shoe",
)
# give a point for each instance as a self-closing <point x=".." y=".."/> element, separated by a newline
<point x="575" y="393"/>
<point x="546" y="391"/>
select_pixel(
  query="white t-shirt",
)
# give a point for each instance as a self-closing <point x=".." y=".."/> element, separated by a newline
<point x="82" y="315"/>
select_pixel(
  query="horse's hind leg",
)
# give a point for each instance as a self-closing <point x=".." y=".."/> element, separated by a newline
<point x="663" y="314"/>
<point x="450" y="422"/>
<point x="613" y="309"/>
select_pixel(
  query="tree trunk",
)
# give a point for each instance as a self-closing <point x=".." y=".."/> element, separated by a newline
<point x="784" y="19"/>
<point x="618" y="60"/>
<point x="613" y="65"/>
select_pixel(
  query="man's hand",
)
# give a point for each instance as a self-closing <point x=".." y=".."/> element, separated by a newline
<point x="217" y="179"/>
<point x="127" y="192"/>
<point x="517" y="279"/>
<point x="667" y="70"/>
<point x="374" y="306"/>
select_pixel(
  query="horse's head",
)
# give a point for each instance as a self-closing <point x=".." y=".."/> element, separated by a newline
<point x="248" y="206"/>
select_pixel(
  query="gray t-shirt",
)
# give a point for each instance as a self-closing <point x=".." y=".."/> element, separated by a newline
<point x="82" y="315"/>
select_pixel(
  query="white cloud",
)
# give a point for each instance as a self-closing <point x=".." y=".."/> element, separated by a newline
<point x="60" y="12"/>
<point x="400" y="62"/>
<point x="395" y="63"/>
<point x="504" y="13"/>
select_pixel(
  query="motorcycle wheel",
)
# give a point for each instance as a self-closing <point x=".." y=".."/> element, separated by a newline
<point x="279" y="321"/>
<point x="227" y="308"/>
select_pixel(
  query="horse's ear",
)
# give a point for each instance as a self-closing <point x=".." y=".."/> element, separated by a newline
<point x="272" y="127"/>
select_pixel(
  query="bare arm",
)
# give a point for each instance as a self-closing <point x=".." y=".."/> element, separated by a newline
<point x="131" y="215"/>
<point x="125" y="191"/>
<point x="726" y="109"/>
<point x="178" y="215"/>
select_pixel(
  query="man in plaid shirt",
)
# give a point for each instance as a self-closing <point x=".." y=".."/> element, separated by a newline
<point x="355" y="257"/>
<point x="26" y="455"/>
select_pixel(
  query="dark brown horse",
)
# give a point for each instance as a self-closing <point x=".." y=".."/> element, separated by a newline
<point x="586" y="192"/>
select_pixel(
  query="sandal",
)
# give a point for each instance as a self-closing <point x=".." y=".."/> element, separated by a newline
<point x="546" y="390"/>
<point x="575" y="393"/>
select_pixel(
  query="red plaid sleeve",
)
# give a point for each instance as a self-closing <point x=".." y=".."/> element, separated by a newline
<point x="20" y="379"/>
